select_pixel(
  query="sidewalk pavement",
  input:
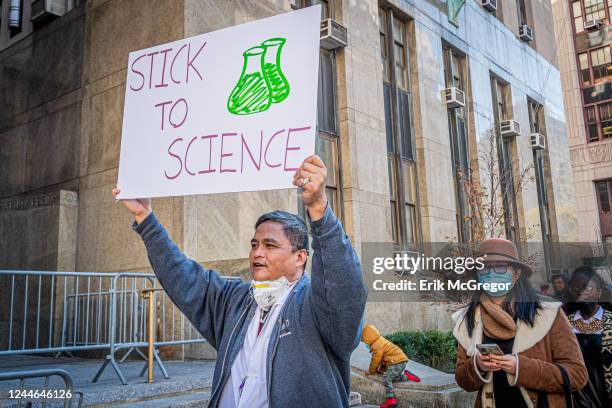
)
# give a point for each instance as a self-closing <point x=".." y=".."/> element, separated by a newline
<point x="189" y="383"/>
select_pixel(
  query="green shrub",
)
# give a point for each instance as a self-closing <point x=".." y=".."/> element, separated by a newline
<point x="430" y="347"/>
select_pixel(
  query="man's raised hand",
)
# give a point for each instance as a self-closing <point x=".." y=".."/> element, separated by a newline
<point x="140" y="208"/>
<point x="311" y="177"/>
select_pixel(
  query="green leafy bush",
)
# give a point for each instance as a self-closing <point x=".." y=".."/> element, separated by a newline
<point x="430" y="347"/>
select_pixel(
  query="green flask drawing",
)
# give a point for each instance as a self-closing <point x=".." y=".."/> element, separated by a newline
<point x="252" y="92"/>
<point x="279" y="86"/>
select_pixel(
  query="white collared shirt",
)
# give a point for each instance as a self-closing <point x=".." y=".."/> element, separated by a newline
<point x="249" y="368"/>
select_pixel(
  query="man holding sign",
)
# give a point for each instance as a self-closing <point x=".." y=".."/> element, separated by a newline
<point x="285" y="339"/>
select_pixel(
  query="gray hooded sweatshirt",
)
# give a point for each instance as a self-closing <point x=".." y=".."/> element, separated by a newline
<point x="308" y="362"/>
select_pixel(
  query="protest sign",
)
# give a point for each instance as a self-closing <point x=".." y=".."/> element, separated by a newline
<point x="226" y="111"/>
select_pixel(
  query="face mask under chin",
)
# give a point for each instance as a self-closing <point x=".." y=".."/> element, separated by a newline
<point x="268" y="293"/>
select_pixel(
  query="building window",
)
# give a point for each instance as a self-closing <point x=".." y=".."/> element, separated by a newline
<point x="578" y="18"/>
<point x="594" y="10"/>
<point x="585" y="68"/>
<point x="454" y="75"/>
<point x="502" y="111"/>
<point x="601" y="60"/>
<point x="595" y="65"/>
<point x="522" y="12"/>
<point x="591" y="123"/>
<point x="327" y="136"/>
<point x="327" y="149"/>
<point x="589" y="10"/>
<point x="326" y="6"/>
<point x="395" y="58"/>
<point x="603" y="190"/>
<point x="595" y="70"/>
<point x="384" y="54"/>
<point x="399" y="53"/>
<point x="599" y="121"/>
<point x="326" y="108"/>
<point x="605" y="117"/>
<point x="327" y="144"/>
<point x="537" y="125"/>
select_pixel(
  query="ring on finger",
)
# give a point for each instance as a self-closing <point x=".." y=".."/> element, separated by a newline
<point x="308" y="179"/>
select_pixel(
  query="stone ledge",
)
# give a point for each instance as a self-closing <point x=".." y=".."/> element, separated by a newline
<point x="436" y="388"/>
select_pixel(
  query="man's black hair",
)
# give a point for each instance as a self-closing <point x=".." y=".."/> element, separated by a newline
<point x="293" y="227"/>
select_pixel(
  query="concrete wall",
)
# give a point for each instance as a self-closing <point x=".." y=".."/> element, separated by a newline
<point x="539" y="12"/>
<point x="113" y="29"/>
<point x="38" y="232"/>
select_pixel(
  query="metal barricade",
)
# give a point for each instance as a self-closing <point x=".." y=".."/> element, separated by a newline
<point x="42" y="318"/>
<point x="127" y="320"/>
<point x="64" y="312"/>
<point x="47" y="393"/>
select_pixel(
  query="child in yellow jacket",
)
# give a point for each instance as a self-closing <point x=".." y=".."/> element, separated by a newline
<point x="387" y="358"/>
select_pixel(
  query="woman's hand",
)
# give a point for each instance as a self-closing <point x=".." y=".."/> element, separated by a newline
<point x="485" y="363"/>
<point x="506" y="362"/>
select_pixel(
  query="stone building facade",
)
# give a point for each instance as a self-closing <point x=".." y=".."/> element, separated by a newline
<point x="583" y="39"/>
<point x="393" y="145"/>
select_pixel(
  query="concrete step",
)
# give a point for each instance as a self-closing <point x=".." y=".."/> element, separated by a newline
<point x="436" y="389"/>
<point x="161" y="389"/>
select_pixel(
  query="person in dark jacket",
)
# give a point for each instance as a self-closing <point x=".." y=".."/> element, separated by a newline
<point x="591" y="321"/>
<point x="285" y="339"/>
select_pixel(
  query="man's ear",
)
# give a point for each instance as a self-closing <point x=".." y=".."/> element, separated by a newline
<point x="302" y="255"/>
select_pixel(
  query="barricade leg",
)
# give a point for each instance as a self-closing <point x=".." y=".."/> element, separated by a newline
<point x="110" y="359"/>
<point x="160" y="364"/>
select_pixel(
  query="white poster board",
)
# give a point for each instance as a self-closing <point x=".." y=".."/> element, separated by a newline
<point x="226" y="111"/>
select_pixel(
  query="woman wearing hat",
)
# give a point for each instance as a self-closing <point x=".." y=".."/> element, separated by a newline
<point x="535" y="338"/>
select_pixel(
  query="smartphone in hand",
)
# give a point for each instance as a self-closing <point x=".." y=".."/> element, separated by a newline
<point x="489" y="348"/>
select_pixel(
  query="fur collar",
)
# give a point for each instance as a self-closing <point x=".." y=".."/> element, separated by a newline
<point x="526" y="336"/>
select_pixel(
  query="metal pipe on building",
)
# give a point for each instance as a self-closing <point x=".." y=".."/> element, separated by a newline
<point x="15" y="14"/>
